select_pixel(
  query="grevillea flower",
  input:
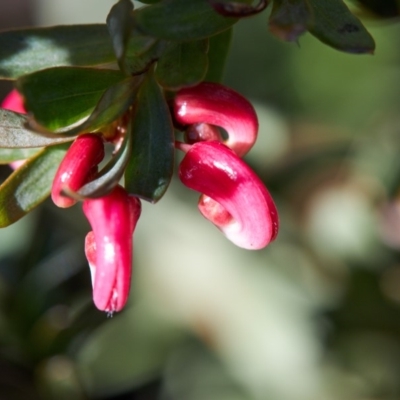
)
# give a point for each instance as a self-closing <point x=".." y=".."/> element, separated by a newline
<point x="77" y="168"/>
<point x="218" y="105"/>
<point x="234" y="198"/>
<point x="108" y="247"/>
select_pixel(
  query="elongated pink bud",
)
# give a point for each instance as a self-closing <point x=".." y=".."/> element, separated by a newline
<point x="77" y="168"/>
<point x="235" y="199"/>
<point x="14" y="102"/>
<point x="109" y="246"/>
<point x="218" y="105"/>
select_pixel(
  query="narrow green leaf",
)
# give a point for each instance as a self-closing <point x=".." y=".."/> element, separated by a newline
<point x="113" y="104"/>
<point x="289" y="19"/>
<point x="335" y="25"/>
<point x="150" y="167"/>
<point x="10" y="155"/>
<point x="14" y="134"/>
<point x="135" y="52"/>
<point x="108" y="177"/>
<point x="217" y="55"/>
<point x="181" y="20"/>
<point x="120" y="25"/>
<point x="184" y="64"/>
<point x="29" y="185"/>
<point x="27" y="50"/>
<point x="61" y="96"/>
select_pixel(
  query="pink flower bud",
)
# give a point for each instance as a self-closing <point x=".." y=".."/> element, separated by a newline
<point x="14" y="102"/>
<point x="108" y="247"/>
<point x="234" y="199"/>
<point x="77" y="168"/>
<point x="218" y="105"/>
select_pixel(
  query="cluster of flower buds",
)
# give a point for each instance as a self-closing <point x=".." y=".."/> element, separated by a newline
<point x="233" y="197"/>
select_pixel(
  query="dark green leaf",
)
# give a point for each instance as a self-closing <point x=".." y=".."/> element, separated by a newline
<point x="151" y="164"/>
<point x="181" y="20"/>
<point x="382" y="8"/>
<point x="217" y="55"/>
<point x="108" y="177"/>
<point x="120" y="25"/>
<point x="29" y="185"/>
<point x="289" y="19"/>
<point x="112" y="105"/>
<point x="14" y="134"/>
<point x="184" y="64"/>
<point x="10" y="155"/>
<point x="335" y="25"/>
<point x="61" y="96"/>
<point x="135" y="52"/>
<point x="27" y="50"/>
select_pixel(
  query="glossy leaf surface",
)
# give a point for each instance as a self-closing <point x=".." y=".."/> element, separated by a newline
<point x="60" y="97"/>
<point x="26" y="50"/>
<point x="150" y="167"/>
<point x="181" y="20"/>
<point x="185" y="64"/>
<point x="113" y="104"/>
<point x="10" y="155"/>
<point x="335" y="25"/>
<point x="238" y="9"/>
<point x="29" y="185"/>
<point x="14" y="134"/>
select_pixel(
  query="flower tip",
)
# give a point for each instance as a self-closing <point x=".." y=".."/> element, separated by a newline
<point x="108" y="247"/>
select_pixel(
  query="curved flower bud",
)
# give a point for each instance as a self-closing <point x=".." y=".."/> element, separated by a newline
<point x="108" y="247"/>
<point x="218" y="105"/>
<point x="77" y="168"/>
<point x="14" y="102"/>
<point x="235" y="199"/>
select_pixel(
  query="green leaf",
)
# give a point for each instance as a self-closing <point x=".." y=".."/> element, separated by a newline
<point x="217" y="55"/>
<point x="330" y="21"/>
<point x="10" y="155"/>
<point x="120" y="25"/>
<point x="184" y="64"/>
<point x="29" y="185"/>
<point x="108" y="177"/>
<point x="181" y="20"/>
<point x="14" y="134"/>
<point x="135" y="52"/>
<point x="289" y="19"/>
<point x="26" y="50"/>
<point x="335" y="25"/>
<point x="113" y="104"/>
<point x="61" y="96"/>
<point x="150" y="167"/>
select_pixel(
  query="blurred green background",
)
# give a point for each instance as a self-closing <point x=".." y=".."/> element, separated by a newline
<point x="316" y="315"/>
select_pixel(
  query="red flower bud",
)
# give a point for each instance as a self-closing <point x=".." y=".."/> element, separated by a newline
<point x="215" y="104"/>
<point x="235" y="200"/>
<point x="77" y="168"/>
<point x="108" y="247"/>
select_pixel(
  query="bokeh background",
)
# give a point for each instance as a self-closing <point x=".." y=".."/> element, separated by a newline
<point x="316" y="315"/>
